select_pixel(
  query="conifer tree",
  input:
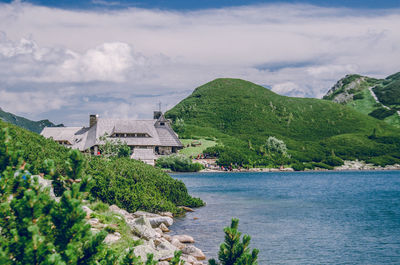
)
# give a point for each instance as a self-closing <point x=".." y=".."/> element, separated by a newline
<point x="233" y="251"/>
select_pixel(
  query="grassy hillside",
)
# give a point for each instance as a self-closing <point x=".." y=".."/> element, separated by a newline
<point x="128" y="183"/>
<point x="242" y="115"/>
<point x="33" y="126"/>
<point x="357" y="92"/>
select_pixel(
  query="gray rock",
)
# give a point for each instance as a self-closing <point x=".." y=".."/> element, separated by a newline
<point x="175" y="242"/>
<point x="112" y="238"/>
<point x="94" y="221"/>
<point x="168" y="214"/>
<point x="165" y="245"/>
<point x="184" y="238"/>
<point x="87" y="210"/>
<point x="142" y="251"/>
<point x="195" y="252"/>
<point x="142" y="228"/>
<point x="146" y="214"/>
<point x="164" y="228"/>
<point x="157" y="221"/>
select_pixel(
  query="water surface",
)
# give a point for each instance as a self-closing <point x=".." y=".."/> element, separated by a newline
<point x="300" y="217"/>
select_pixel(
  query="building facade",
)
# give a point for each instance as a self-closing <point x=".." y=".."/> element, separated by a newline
<point x="148" y="139"/>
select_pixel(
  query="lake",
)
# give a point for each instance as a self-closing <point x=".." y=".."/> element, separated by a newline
<point x="300" y="217"/>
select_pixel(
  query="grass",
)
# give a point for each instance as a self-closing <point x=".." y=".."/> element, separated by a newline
<point x="365" y="105"/>
<point x="193" y="151"/>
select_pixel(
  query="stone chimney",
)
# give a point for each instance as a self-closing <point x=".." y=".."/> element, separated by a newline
<point x="157" y="114"/>
<point x="93" y="119"/>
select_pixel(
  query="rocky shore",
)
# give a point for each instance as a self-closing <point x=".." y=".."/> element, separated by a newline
<point x="153" y="232"/>
<point x="348" y="165"/>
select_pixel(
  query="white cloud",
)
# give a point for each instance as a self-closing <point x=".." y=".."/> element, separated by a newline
<point x="110" y="57"/>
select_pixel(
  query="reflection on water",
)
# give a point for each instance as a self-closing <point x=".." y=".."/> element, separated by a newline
<point x="300" y="218"/>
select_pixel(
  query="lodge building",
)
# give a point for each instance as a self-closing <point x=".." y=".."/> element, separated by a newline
<point x="148" y="139"/>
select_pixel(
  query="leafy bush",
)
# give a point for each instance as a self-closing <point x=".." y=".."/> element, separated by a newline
<point x="358" y="96"/>
<point x="133" y="185"/>
<point x="334" y="161"/>
<point x="178" y="163"/>
<point x="322" y="165"/>
<point x="382" y="113"/>
<point x="298" y="167"/>
<point x="383" y="160"/>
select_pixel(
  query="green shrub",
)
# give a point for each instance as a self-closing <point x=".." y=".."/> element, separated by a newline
<point x="334" y="161"/>
<point x="383" y="160"/>
<point x="382" y="113"/>
<point x="322" y="165"/>
<point x="298" y="167"/>
<point x="178" y="163"/>
<point x="234" y="250"/>
<point x="358" y="96"/>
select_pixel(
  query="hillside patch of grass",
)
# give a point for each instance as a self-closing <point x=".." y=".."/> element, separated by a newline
<point x="193" y="151"/>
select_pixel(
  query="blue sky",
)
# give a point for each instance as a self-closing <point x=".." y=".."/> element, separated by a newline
<point x="206" y="4"/>
<point x="64" y="60"/>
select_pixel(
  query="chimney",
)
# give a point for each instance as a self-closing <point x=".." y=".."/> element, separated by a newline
<point x="93" y="119"/>
<point x="157" y="114"/>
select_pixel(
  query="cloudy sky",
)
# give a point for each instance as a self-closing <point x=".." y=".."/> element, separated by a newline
<point x="63" y="60"/>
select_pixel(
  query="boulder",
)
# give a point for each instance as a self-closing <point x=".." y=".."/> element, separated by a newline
<point x="122" y="212"/>
<point x="167" y="214"/>
<point x="175" y="242"/>
<point x="112" y="238"/>
<point x="164" y="228"/>
<point x="184" y="238"/>
<point x="167" y="237"/>
<point x="165" y="245"/>
<point x="157" y="221"/>
<point x="187" y="209"/>
<point x="142" y="251"/>
<point x="146" y="214"/>
<point x="87" y="210"/>
<point x="195" y="252"/>
<point x="142" y="228"/>
<point x="188" y="259"/>
<point x="94" y="222"/>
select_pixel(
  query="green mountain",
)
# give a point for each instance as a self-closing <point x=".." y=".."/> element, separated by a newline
<point x="242" y="115"/>
<point x="379" y="98"/>
<point x="33" y="126"/>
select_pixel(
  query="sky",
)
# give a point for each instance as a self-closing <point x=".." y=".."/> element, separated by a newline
<point x="63" y="60"/>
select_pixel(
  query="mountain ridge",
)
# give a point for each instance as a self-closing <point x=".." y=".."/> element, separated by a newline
<point x="34" y="126"/>
<point x="379" y="98"/>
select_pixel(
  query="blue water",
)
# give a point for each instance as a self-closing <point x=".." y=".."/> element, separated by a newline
<point x="300" y="218"/>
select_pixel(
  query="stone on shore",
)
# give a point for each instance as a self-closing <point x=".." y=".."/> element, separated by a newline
<point x="177" y="243"/>
<point x="184" y="238"/>
<point x="142" y="228"/>
<point x="195" y="252"/>
<point x="157" y="221"/>
<point x="164" y="228"/>
<point x="87" y="210"/>
<point x="187" y="209"/>
<point x="112" y="238"/>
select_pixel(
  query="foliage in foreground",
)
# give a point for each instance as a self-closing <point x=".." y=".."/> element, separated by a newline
<point x="130" y="184"/>
<point x="234" y="251"/>
<point x="37" y="229"/>
<point x="178" y="163"/>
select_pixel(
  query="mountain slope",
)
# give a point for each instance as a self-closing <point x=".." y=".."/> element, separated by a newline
<point x="379" y="98"/>
<point x="243" y="115"/>
<point x="33" y="126"/>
